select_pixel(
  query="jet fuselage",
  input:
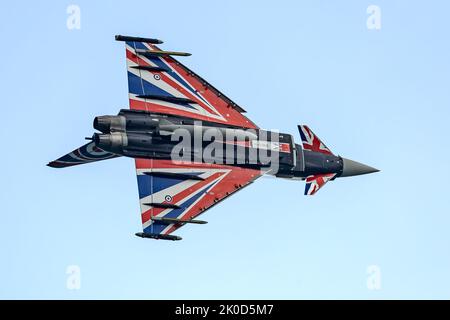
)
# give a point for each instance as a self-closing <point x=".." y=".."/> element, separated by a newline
<point x="139" y="134"/>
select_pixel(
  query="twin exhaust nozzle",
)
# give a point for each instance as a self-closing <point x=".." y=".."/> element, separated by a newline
<point x="113" y="142"/>
<point x="107" y="124"/>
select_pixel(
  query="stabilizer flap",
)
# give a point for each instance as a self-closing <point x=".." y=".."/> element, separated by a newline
<point x="150" y="68"/>
<point x="165" y="98"/>
<point x="84" y="154"/>
<point x="174" y="175"/>
<point x="162" y="205"/>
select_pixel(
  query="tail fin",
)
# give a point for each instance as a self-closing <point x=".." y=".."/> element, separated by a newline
<point x="84" y="154"/>
<point x="311" y="141"/>
<point x="314" y="183"/>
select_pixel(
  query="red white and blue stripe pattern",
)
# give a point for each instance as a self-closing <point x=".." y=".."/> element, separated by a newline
<point x="174" y="80"/>
<point x="84" y="154"/>
<point x="311" y="141"/>
<point x="191" y="196"/>
<point x="314" y="183"/>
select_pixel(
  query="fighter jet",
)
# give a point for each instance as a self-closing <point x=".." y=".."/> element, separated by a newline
<point x="193" y="146"/>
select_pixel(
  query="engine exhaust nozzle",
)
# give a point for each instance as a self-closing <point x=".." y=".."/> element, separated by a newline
<point x="114" y="142"/>
<point x="107" y="124"/>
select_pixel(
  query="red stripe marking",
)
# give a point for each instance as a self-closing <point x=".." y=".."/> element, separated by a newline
<point x="186" y="92"/>
<point x="155" y="107"/>
<point x="160" y="164"/>
<point x="231" y="115"/>
<point x="238" y="176"/>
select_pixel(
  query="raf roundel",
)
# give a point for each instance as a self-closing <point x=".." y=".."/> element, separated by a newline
<point x="168" y="198"/>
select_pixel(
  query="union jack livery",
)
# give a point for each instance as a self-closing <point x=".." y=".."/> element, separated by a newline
<point x="314" y="183"/>
<point x="169" y="192"/>
<point x="193" y="146"/>
<point x="311" y="142"/>
<point x="159" y="83"/>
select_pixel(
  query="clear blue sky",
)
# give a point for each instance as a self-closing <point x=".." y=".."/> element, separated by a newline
<point x="377" y="96"/>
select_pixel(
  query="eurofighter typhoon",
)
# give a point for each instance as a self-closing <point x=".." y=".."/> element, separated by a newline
<point x="192" y="145"/>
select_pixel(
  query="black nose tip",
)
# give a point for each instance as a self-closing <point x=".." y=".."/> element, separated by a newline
<point x="353" y="168"/>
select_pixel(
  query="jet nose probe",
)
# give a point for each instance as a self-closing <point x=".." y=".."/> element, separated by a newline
<point x="353" y="168"/>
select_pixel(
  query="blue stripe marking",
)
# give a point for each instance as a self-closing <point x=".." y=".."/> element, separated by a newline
<point x="157" y="60"/>
<point x="159" y="227"/>
<point x="155" y="227"/>
<point x="174" y="75"/>
<point x="307" y="186"/>
<point x="145" y="184"/>
<point x="135" y="87"/>
<point x="139" y="45"/>
<point x="302" y="135"/>
<point x="159" y="183"/>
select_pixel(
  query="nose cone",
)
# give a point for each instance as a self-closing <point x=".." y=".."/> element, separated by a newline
<point x="353" y="168"/>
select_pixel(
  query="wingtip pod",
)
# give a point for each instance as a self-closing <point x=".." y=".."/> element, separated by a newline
<point x="153" y="53"/>
<point x="54" y="164"/>
<point x="138" y="39"/>
<point x="158" y="236"/>
<point x="57" y="164"/>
